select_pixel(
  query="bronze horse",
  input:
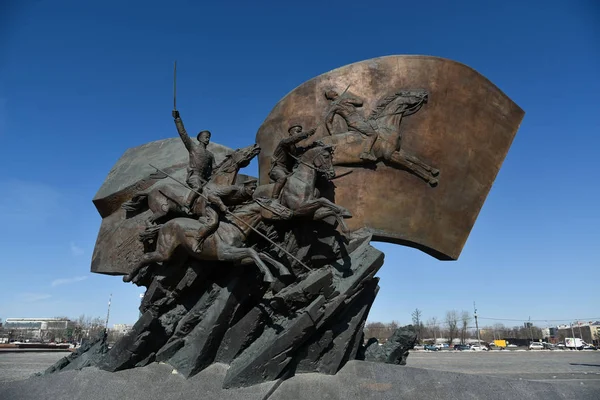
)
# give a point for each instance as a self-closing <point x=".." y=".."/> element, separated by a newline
<point x="299" y="193"/>
<point x="167" y="198"/>
<point x="226" y="244"/>
<point x="387" y="117"/>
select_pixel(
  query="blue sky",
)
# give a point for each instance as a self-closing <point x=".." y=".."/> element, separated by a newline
<point x="81" y="82"/>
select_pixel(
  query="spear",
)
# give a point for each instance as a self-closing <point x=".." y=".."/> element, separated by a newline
<point x="175" y="86"/>
<point x="236" y="217"/>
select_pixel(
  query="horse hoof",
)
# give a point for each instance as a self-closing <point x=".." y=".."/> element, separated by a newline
<point x="268" y="279"/>
<point x="127" y="279"/>
<point x="435" y="172"/>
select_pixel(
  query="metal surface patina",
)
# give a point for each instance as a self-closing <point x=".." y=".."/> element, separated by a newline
<point x="424" y="138"/>
<point x="277" y="275"/>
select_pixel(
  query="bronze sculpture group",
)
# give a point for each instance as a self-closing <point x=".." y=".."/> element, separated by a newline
<point x="214" y="219"/>
<point x="312" y="275"/>
<point x="277" y="275"/>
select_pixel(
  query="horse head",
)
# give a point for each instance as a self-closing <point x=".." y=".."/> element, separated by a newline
<point x="320" y="158"/>
<point x="401" y="103"/>
<point x="238" y="159"/>
<point x="411" y="101"/>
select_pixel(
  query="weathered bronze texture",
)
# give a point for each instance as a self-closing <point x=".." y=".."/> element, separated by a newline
<point x="428" y="193"/>
<point x="278" y="278"/>
<point x="117" y="247"/>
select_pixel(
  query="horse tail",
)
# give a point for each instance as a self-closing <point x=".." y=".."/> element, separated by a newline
<point x="150" y="233"/>
<point x="136" y="203"/>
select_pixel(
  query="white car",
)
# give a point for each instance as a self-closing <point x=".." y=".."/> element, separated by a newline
<point x="477" y="347"/>
<point x="536" y="346"/>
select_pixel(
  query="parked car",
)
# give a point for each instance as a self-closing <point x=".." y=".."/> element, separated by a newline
<point x="462" y="347"/>
<point x="536" y="346"/>
<point x="419" y="347"/>
<point x="478" y="347"/>
<point x="443" y="346"/>
<point x="431" y="347"/>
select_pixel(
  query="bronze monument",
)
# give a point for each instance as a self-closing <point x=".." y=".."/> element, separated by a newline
<point x="277" y="276"/>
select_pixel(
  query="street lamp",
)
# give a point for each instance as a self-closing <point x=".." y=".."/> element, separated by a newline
<point x="476" y="325"/>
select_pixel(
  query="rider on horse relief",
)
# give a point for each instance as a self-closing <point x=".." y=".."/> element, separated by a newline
<point x="201" y="164"/>
<point x="345" y="106"/>
<point x="284" y="157"/>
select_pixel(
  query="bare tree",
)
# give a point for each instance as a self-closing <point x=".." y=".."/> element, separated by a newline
<point x="452" y="323"/>
<point x="88" y="327"/>
<point x="375" y="330"/>
<point x="380" y="331"/>
<point x="434" y="327"/>
<point x="465" y="319"/>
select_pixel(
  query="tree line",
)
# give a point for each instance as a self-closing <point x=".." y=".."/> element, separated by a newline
<point x="454" y="325"/>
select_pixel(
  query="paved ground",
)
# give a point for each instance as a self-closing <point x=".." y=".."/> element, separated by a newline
<point x="554" y="366"/>
<point x="16" y="366"/>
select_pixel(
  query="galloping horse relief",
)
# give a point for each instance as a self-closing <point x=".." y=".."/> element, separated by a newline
<point x="378" y="136"/>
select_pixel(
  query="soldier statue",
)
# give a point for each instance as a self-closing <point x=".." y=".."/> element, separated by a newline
<point x="284" y="157"/>
<point x="201" y="161"/>
<point x="200" y="167"/>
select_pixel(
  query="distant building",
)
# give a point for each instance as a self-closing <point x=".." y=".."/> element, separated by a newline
<point x="38" y="328"/>
<point x="122" y="328"/>
<point x="588" y="331"/>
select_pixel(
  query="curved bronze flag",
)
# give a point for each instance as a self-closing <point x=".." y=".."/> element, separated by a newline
<point x="423" y="137"/>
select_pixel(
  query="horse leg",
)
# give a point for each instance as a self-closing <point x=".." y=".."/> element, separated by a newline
<point x="283" y="271"/>
<point x="160" y="207"/>
<point x="163" y="252"/>
<point x="313" y="207"/>
<point x="310" y="207"/>
<point x="147" y="259"/>
<point x="399" y="159"/>
<point x="230" y="253"/>
<point x="420" y="163"/>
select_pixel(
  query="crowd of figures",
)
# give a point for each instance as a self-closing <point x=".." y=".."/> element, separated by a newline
<point x="222" y="215"/>
<point x="213" y="218"/>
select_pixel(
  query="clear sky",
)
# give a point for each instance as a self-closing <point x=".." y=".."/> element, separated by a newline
<point x="83" y="81"/>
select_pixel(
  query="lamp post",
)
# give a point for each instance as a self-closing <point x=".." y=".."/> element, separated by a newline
<point x="476" y="325"/>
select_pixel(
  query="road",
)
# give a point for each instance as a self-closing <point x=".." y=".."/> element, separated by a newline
<point x="552" y="366"/>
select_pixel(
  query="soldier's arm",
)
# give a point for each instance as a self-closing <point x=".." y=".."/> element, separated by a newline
<point x="187" y="141"/>
<point x="216" y="200"/>
<point x="300" y="136"/>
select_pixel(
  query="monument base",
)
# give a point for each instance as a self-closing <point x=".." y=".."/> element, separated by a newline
<point x="356" y="380"/>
